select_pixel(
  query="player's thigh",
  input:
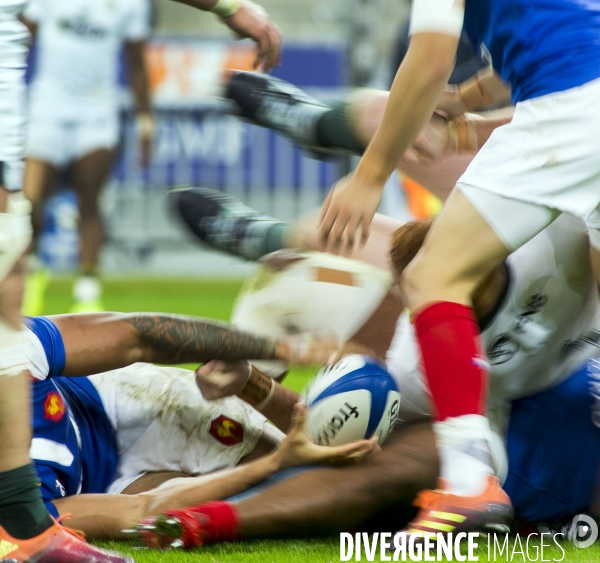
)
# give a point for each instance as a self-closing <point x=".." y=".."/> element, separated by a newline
<point x="458" y="251"/>
<point x="464" y="245"/>
<point x="11" y="294"/>
<point x="409" y="461"/>
<point x="96" y="140"/>
<point x="90" y="173"/>
<point x="39" y="178"/>
<point x="15" y="429"/>
<point x="15" y="231"/>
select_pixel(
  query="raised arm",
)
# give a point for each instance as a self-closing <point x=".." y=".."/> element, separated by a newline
<point x="247" y="20"/>
<point x="100" y="342"/>
<point x="350" y="206"/>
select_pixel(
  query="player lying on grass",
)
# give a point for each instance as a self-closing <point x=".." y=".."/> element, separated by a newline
<point x="130" y="429"/>
<point x="540" y="321"/>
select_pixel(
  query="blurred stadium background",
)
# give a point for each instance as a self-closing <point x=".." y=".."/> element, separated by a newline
<point x="330" y="45"/>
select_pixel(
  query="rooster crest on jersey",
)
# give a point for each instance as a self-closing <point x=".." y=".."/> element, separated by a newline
<point x="353" y="399"/>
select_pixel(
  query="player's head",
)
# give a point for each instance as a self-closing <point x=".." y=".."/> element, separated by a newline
<point x="406" y="242"/>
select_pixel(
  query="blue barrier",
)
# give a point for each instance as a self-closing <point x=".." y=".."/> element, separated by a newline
<point x="209" y="148"/>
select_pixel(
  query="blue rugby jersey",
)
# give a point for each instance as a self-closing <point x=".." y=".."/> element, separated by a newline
<point x="538" y="46"/>
<point x="74" y="447"/>
<point x="553" y="446"/>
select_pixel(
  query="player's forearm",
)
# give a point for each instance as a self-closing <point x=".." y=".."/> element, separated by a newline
<point x="270" y="398"/>
<point x="175" y="339"/>
<point x="416" y="90"/>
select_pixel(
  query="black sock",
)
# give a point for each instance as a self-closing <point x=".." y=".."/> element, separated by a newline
<point x="333" y="130"/>
<point x="275" y="239"/>
<point x="22" y="511"/>
<point x="260" y="236"/>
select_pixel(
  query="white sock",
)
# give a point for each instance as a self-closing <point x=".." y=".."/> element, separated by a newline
<point x="463" y="444"/>
<point x="87" y="288"/>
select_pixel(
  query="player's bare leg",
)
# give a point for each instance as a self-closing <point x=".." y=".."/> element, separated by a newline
<point x="460" y="250"/>
<point x="331" y="500"/>
<point x="39" y="178"/>
<point x="22" y="512"/>
<point x="321" y="501"/>
<point x="27" y="533"/>
<point x="89" y="176"/>
<point x="105" y="516"/>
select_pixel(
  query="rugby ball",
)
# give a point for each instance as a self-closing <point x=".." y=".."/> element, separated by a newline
<point x="353" y="399"/>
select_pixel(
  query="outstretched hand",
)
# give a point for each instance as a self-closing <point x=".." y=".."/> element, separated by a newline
<point x="347" y="214"/>
<point x="251" y="21"/>
<point x="297" y="449"/>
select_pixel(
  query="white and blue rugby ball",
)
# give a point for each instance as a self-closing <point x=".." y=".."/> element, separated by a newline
<point x="353" y="399"/>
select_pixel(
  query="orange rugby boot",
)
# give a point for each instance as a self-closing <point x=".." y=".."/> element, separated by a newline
<point x="442" y="512"/>
<point x="57" y="544"/>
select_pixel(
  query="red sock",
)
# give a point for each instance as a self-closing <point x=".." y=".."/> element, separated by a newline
<point x="223" y="521"/>
<point x="454" y="364"/>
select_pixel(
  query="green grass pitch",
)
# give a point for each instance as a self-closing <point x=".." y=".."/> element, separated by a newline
<point x="214" y="299"/>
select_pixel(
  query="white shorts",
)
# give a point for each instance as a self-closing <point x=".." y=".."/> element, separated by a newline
<point x="547" y="156"/>
<point x="13" y="113"/>
<point x="163" y="423"/>
<point x="13" y="126"/>
<point x="59" y="141"/>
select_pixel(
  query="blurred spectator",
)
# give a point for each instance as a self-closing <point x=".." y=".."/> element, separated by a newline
<point x="74" y="121"/>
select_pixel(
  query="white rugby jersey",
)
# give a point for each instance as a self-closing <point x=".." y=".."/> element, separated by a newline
<point x="78" y="48"/>
<point x="548" y="323"/>
<point x="13" y="54"/>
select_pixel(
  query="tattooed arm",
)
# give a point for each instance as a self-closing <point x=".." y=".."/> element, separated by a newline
<point x="100" y="342"/>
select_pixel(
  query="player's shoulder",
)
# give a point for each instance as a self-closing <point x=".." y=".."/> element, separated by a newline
<point x="45" y="347"/>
